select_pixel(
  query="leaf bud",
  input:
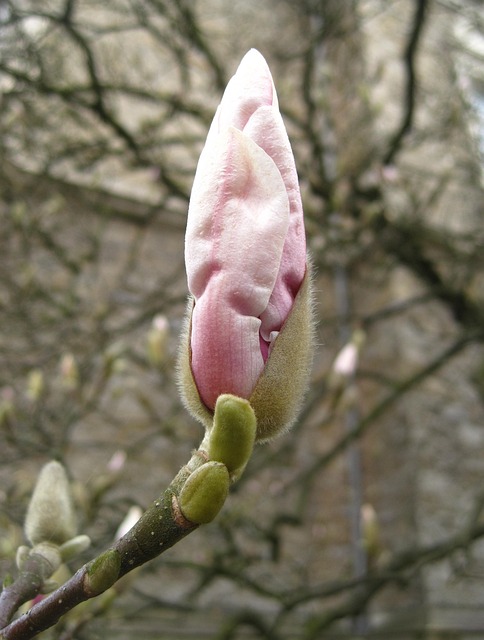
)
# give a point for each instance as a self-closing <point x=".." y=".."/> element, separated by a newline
<point x="232" y="436"/>
<point x="204" y="492"/>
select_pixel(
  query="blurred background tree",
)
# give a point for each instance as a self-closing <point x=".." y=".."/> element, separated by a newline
<point x="367" y="516"/>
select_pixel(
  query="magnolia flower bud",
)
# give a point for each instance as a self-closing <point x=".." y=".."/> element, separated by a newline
<point x="346" y="362"/>
<point x="248" y="331"/>
<point x="69" y="372"/>
<point x="50" y="516"/>
<point x="35" y="385"/>
<point x="157" y="341"/>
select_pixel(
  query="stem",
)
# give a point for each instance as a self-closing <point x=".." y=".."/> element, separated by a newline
<point x="160" y="527"/>
<point x="27" y="585"/>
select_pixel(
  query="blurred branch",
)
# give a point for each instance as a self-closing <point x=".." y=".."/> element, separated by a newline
<point x="398" y="569"/>
<point x="400" y="389"/>
<point x="161" y="526"/>
<point x="409" y="59"/>
<point x="406" y="241"/>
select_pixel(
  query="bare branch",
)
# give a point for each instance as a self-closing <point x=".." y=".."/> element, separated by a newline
<point x="409" y="59"/>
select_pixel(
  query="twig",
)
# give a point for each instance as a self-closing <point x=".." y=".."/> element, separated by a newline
<point x="408" y="384"/>
<point x="160" y="527"/>
<point x="408" y="559"/>
<point x="410" y="90"/>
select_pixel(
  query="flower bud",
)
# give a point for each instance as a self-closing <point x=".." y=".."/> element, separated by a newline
<point x="131" y="518"/>
<point x="50" y="515"/>
<point x="74" y="547"/>
<point x="245" y="254"/>
<point x="69" y="372"/>
<point x="35" y="385"/>
<point x="157" y="341"/>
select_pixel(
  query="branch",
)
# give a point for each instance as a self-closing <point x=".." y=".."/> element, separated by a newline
<point x="383" y="406"/>
<point x="408" y="559"/>
<point x="405" y="241"/>
<point x="28" y="584"/>
<point x="161" y="526"/>
<point x="194" y="497"/>
<point x="410" y="90"/>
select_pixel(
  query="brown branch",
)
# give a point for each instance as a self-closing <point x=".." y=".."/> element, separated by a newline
<point x="27" y="585"/>
<point x="410" y="89"/>
<point x="406" y="241"/>
<point x="161" y="526"/>
<point x="387" y="402"/>
<point x="394" y="570"/>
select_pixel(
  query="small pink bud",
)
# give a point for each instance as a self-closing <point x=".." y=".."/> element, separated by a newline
<point x="245" y="253"/>
<point x="346" y="360"/>
<point x="69" y="371"/>
<point x="117" y="461"/>
<point x="158" y="340"/>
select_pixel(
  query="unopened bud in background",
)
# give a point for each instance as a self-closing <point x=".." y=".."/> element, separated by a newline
<point x="157" y="341"/>
<point x="7" y="405"/>
<point x="370" y="532"/>
<point x="50" y="515"/>
<point x="69" y="372"/>
<point x="117" y="461"/>
<point x="346" y="362"/>
<point x="35" y="385"/>
<point x="131" y="518"/>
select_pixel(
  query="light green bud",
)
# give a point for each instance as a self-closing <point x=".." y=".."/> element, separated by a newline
<point x="157" y="341"/>
<point x="204" y="492"/>
<point x="69" y="372"/>
<point x="50" y="553"/>
<point x="35" y="385"/>
<point x="74" y="547"/>
<point x="231" y="439"/>
<point x="8" y="581"/>
<point x="21" y="556"/>
<point x="50" y="515"/>
<point x="103" y="572"/>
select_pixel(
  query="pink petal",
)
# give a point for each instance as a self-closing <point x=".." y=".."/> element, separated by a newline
<point x="250" y="88"/>
<point x="267" y="129"/>
<point x="237" y="224"/>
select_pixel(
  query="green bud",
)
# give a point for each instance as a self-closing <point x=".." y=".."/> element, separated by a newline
<point x="23" y="553"/>
<point x="103" y="572"/>
<point x="204" y="492"/>
<point x="69" y="372"/>
<point x="231" y="439"/>
<point x="74" y="547"/>
<point x="51" y="554"/>
<point x="35" y="385"/>
<point x="50" y="516"/>
<point x="8" y="581"/>
<point x="49" y="585"/>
